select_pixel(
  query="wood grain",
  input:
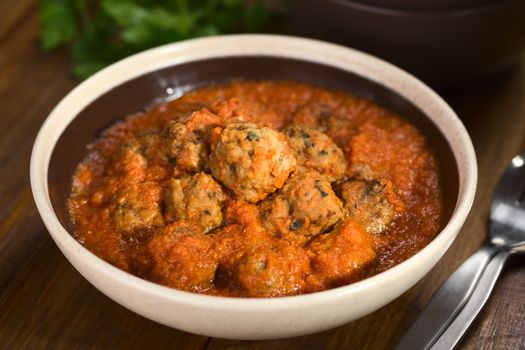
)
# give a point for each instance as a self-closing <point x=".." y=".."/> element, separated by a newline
<point x="45" y="303"/>
<point x="12" y="15"/>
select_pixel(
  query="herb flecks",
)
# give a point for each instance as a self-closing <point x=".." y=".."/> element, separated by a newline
<point x="320" y="189"/>
<point x="296" y="224"/>
<point x="304" y="134"/>
<point x="251" y="136"/>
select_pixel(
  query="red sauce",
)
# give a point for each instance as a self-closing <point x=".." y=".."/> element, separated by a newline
<point x="258" y="189"/>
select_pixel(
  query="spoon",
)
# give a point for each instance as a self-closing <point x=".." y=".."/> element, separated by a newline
<point x="506" y="233"/>
<point x="461" y="323"/>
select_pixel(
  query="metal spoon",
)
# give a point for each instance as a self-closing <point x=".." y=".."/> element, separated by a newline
<point x="506" y="233"/>
<point x="461" y="323"/>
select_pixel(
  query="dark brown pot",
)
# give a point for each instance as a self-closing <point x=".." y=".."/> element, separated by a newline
<point x="442" y="47"/>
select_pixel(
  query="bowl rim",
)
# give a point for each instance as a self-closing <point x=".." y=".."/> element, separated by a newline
<point x="424" y="12"/>
<point x="310" y="50"/>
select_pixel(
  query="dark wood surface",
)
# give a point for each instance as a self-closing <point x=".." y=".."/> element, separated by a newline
<point x="45" y="303"/>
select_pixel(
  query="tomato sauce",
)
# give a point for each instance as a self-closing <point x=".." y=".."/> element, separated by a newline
<point x="258" y="189"/>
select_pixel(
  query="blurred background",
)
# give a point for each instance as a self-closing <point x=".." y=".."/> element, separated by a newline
<point x="446" y="43"/>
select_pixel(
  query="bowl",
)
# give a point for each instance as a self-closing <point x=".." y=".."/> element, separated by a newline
<point x="169" y="71"/>
<point x="447" y="44"/>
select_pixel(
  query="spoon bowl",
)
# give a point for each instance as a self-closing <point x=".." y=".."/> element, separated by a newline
<point x="507" y="214"/>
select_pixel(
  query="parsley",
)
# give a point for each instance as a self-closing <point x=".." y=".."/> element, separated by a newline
<point x="296" y="224"/>
<point x="100" y="32"/>
<point x="251" y="136"/>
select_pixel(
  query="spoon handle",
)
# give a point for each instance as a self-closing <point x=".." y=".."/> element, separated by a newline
<point x="446" y="302"/>
<point x="453" y="334"/>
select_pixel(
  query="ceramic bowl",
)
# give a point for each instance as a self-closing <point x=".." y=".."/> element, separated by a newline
<point x="169" y="71"/>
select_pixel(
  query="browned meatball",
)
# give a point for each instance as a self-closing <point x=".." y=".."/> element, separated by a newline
<point x="277" y="270"/>
<point x="137" y="156"/>
<point x="258" y="265"/>
<point x="136" y="206"/>
<point x="372" y="203"/>
<point x="334" y="120"/>
<point x="180" y="257"/>
<point x="339" y="256"/>
<point x="129" y="162"/>
<point x="340" y="130"/>
<point x="305" y="207"/>
<point x="186" y="141"/>
<point x="134" y="200"/>
<point x="316" y="151"/>
<point x="185" y="149"/>
<point x="253" y="161"/>
<point x="312" y="116"/>
<point x="148" y="144"/>
<point x="197" y="199"/>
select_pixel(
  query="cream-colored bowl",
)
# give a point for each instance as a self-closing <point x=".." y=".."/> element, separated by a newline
<point x="167" y="72"/>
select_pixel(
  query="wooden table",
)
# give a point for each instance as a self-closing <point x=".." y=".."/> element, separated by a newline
<point x="45" y="303"/>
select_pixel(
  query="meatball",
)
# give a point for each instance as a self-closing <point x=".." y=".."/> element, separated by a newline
<point x="254" y="264"/>
<point x="134" y="200"/>
<point x="305" y="207"/>
<point x="185" y="149"/>
<point x="136" y="206"/>
<point x="372" y="203"/>
<point x="148" y="144"/>
<point x="242" y="230"/>
<point x="316" y="151"/>
<point x="129" y="163"/>
<point x="252" y="161"/>
<point x="334" y="120"/>
<point x="340" y="130"/>
<point x="197" y="199"/>
<point x="313" y="115"/>
<point x="139" y="158"/>
<point x="277" y="270"/>
<point x="180" y="257"/>
<point x="339" y="256"/>
<point x="185" y="142"/>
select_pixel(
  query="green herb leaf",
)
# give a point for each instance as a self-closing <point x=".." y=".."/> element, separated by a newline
<point x="104" y="31"/>
<point x="86" y="69"/>
<point x="254" y="16"/>
<point x="124" y="14"/>
<point x="57" y="23"/>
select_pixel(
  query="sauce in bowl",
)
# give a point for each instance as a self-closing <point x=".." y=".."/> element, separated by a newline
<point x="258" y="189"/>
